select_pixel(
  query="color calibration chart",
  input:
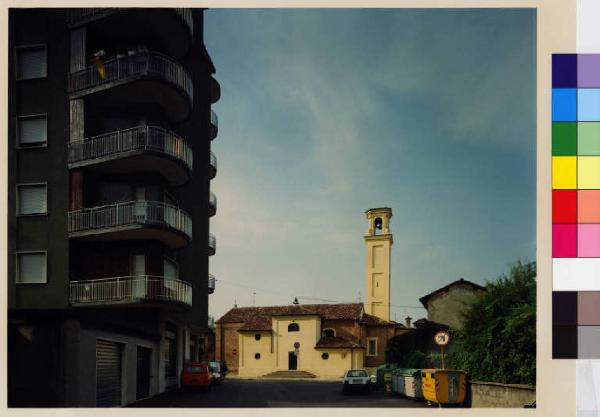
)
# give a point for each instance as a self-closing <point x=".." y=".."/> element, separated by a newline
<point x="576" y="206"/>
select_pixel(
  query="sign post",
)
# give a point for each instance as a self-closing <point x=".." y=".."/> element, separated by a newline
<point x="442" y="338"/>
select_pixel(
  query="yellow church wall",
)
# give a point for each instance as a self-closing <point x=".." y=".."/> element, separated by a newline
<point x="275" y="346"/>
<point x="250" y="366"/>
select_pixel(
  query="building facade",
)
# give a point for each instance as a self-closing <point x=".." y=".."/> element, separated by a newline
<point x="446" y="305"/>
<point x="110" y="129"/>
<point x="323" y="339"/>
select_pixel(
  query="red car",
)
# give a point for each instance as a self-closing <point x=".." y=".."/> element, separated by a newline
<point x="196" y="375"/>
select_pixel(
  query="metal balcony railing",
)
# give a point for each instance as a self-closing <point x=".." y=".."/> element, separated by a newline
<point x="139" y="212"/>
<point x="212" y="204"/>
<point x="139" y="138"/>
<point x="82" y="14"/>
<point x="140" y="64"/>
<point x="213" y="160"/>
<point x="129" y="289"/>
<point x="212" y="243"/>
<point x="214" y="121"/>
<point x="211" y="283"/>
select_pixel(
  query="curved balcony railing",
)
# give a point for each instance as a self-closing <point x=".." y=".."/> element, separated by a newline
<point x="79" y="15"/>
<point x="148" y="63"/>
<point x="139" y="138"/>
<point x="214" y="123"/>
<point x="139" y="212"/>
<point x="130" y="289"/>
<point x="212" y="166"/>
<point x="212" y="244"/>
<point x="211" y="283"/>
<point x="212" y="204"/>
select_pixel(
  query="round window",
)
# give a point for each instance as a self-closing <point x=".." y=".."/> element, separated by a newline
<point x="257" y="337"/>
<point x="257" y="356"/>
<point x="325" y="355"/>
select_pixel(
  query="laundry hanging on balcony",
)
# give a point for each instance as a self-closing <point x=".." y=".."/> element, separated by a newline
<point x="98" y="62"/>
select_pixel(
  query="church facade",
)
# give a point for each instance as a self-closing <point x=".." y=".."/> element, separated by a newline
<point x="323" y="339"/>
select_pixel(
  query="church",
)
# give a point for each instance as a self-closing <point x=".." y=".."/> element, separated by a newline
<point x="321" y="339"/>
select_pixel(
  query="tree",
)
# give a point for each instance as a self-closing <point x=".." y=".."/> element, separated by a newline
<point x="497" y="342"/>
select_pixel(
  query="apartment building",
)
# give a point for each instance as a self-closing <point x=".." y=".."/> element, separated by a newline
<point x="109" y="204"/>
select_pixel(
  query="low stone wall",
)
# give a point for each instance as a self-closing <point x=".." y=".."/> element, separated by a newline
<point x="494" y="394"/>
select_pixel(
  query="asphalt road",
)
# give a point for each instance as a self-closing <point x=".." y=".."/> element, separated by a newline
<point x="276" y="393"/>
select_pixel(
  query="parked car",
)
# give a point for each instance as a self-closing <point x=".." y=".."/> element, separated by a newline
<point x="196" y="375"/>
<point x="356" y="380"/>
<point x="218" y="375"/>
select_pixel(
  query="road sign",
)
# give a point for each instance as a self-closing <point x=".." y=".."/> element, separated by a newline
<point x="441" y="338"/>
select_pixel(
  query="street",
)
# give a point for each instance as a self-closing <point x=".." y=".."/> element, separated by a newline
<point x="276" y="393"/>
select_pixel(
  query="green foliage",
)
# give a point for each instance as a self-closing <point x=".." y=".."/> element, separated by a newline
<point x="415" y="359"/>
<point x="497" y="342"/>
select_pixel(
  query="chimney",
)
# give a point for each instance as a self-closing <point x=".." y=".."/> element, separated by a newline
<point x="408" y="319"/>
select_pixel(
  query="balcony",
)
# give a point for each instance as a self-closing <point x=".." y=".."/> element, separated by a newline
<point x="146" y="77"/>
<point x="135" y="150"/>
<point x="212" y="204"/>
<point x="146" y="289"/>
<point x="211" y="283"/>
<point x="212" y="244"/>
<point x="173" y="28"/>
<point x="212" y="166"/>
<point x="133" y="220"/>
<point x="214" y="90"/>
<point x="214" y="125"/>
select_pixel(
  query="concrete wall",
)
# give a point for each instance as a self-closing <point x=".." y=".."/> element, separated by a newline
<point x="493" y="394"/>
<point x="447" y="308"/>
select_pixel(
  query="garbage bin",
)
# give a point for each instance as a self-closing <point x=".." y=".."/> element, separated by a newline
<point x="412" y="383"/>
<point x="384" y="376"/>
<point x="444" y="386"/>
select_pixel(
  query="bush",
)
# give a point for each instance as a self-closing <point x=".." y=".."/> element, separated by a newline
<point x="497" y="342"/>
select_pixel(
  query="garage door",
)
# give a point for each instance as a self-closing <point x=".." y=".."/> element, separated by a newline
<point x="108" y="374"/>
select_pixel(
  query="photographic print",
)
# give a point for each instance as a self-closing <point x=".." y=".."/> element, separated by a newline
<point x="374" y="205"/>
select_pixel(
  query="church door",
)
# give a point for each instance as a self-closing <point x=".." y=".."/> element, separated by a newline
<point x="292" y="361"/>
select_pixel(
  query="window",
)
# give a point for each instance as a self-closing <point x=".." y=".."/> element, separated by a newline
<point x="32" y="131"/>
<point x="329" y="333"/>
<point x="325" y="356"/>
<point x="31" y="62"/>
<point x="31" y="267"/>
<point x="372" y="346"/>
<point x="31" y="199"/>
<point x="257" y="336"/>
<point x="293" y="327"/>
<point x="257" y="356"/>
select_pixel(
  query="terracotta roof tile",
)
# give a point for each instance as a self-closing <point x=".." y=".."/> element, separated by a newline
<point x="460" y="283"/>
<point x="346" y="311"/>
<point x="336" y="342"/>
<point x="370" y="320"/>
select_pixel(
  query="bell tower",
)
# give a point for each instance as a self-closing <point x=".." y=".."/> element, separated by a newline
<point x="379" y="246"/>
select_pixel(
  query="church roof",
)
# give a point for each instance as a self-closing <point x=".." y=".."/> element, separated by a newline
<point x="336" y="342"/>
<point x="458" y="283"/>
<point x="247" y="315"/>
<point x="371" y="320"/>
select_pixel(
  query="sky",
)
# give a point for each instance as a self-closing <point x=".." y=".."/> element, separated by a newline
<point x="325" y="113"/>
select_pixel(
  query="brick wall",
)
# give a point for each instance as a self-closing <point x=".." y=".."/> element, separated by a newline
<point x="227" y="345"/>
<point x="493" y="394"/>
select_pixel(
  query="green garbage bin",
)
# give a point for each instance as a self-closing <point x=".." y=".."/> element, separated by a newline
<point x="384" y="376"/>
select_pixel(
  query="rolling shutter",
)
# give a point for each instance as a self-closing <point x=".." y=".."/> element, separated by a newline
<point x="31" y="62"/>
<point x="32" y="130"/>
<point x="32" y="268"/>
<point x="108" y="374"/>
<point x="32" y="199"/>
